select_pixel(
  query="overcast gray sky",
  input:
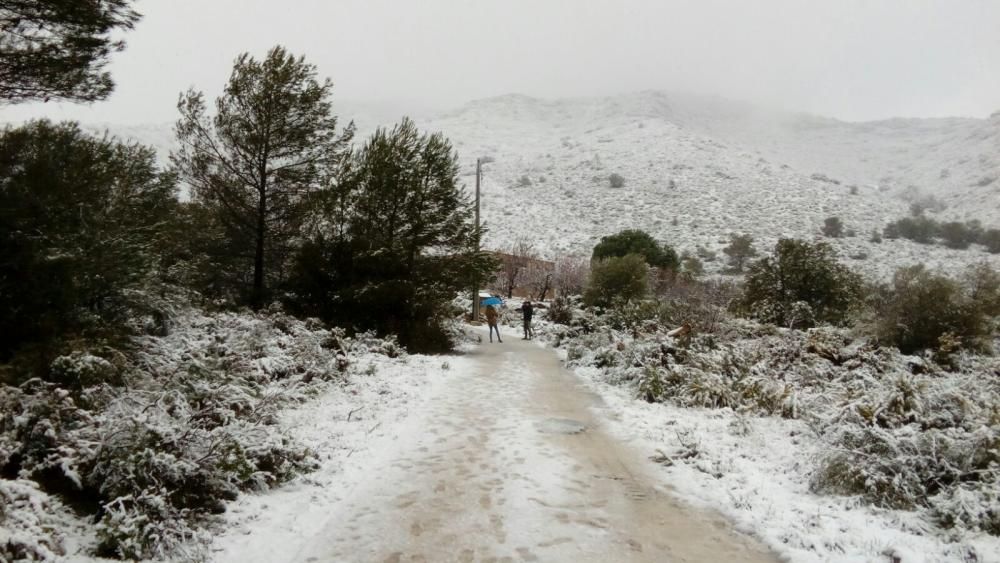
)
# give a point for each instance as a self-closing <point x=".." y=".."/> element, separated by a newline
<point x="852" y="59"/>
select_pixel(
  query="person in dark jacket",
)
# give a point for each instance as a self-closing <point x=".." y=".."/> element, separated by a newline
<point x="527" y="310"/>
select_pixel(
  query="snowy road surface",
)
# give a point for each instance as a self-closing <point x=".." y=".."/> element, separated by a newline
<point x="508" y="463"/>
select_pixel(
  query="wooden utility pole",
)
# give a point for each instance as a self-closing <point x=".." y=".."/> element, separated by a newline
<point x="475" y="288"/>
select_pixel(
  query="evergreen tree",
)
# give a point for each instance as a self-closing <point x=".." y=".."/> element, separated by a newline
<point x="57" y="49"/>
<point x="634" y="241"/>
<point x="397" y="242"/>
<point x="82" y="221"/>
<point x="259" y="161"/>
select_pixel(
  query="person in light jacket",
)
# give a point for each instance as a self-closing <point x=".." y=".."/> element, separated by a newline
<point x="491" y="319"/>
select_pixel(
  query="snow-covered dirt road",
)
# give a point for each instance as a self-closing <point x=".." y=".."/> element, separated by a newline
<point x="510" y="463"/>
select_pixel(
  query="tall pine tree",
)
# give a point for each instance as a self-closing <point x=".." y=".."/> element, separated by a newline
<point x="257" y="163"/>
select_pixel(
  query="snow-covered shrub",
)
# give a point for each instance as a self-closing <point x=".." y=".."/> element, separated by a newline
<point x="971" y="506"/>
<point x="45" y="435"/>
<point x="560" y="311"/>
<point x="195" y="425"/>
<point x="707" y="389"/>
<point x="29" y="530"/>
<point x="634" y="316"/>
<point x="652" y="387"/>
<point x="84" y="369"/>
<point x="148" y="527"/>
<point x="902" y="467"/>
<point x="919" y="441"/>
<point x="901" y="432"/>
<point x="701" y="304"/>
<point x="372" y="343"/>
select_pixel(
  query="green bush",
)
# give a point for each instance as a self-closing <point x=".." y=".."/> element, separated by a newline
<point x="617" y="280"/>
<point x="959" y="235"/>
<point x="833" y="227"/>
<point x="918" y="229"/>
<point x="919" y="308"/>
<point x="739" y="251"/>
<point x="991" y="240"/>
<point x="799" y="285"/>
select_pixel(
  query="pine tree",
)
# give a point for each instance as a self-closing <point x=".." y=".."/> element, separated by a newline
<point x="398" y="242"/>
<point x="83" y="218"/>
<point x="57" y="49"/>
<point x="258" y="163"/>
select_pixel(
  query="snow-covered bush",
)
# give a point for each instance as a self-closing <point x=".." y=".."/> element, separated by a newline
<point x="919" y="441"/>
<point x="194" y="426"/>
<point x="560" y="311"/>
<point x="905" y="467"/>
<point x="84" y="369"/>
<point x="632" y="316"/>
<point x="45" y="435"/>
<point x="29" y="529"/>
<point x="971" y="506"/>
<point x="701" y="304"/>
<point x="167" y="459"/>
<point x="372" y="343"/>
<point x="146" y="526"/>
<point x="902" y="431"/>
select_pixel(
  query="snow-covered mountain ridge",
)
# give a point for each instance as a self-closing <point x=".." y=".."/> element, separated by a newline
<point x="698" y="168"/>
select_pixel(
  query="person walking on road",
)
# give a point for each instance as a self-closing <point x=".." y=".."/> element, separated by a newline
<point x="491" y="319"/>
<point x="528" y="310"/>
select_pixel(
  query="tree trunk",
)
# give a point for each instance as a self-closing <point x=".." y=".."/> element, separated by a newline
<point x="545" y="287"/>
<point x="257" y="299"/>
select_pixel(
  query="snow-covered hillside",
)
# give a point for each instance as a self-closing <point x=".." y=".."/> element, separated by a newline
<point x="699" y="168"/>
<point x="549" y="181"/>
